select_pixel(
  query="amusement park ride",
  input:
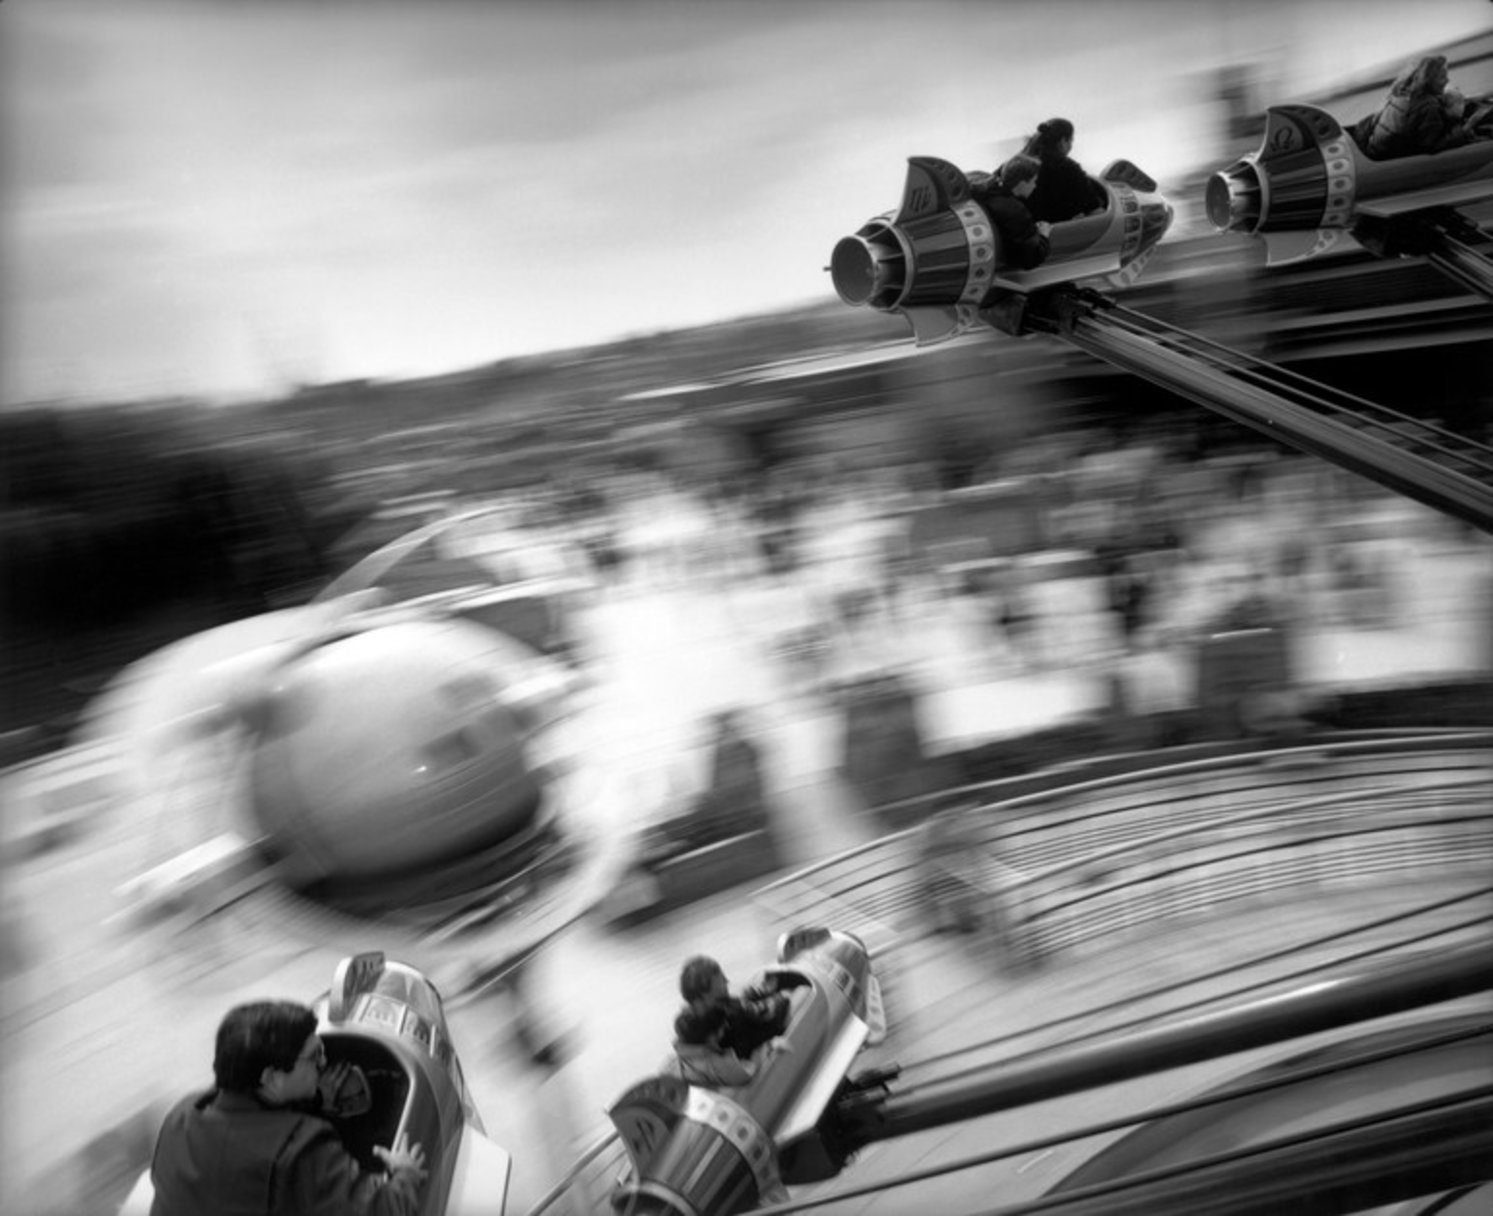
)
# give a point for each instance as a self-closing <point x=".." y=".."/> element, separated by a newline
<point x="937" y="262"/>
<point x="693" y="1151"/>
<point x="1310" y="185"/>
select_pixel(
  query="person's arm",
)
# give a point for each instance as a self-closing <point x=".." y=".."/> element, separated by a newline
<point x="1429" y="128"/>
<point x="321" y="1178"/>
<point x="727" y="1068"/>
<point x="1025" y="243"/>
<point x="1032" y="246"/>
<point x="766" y="1006"/>
<point x="763" y="1056"/>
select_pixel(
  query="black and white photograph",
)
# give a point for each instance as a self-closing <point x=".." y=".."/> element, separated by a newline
<point x="692" y="607"/>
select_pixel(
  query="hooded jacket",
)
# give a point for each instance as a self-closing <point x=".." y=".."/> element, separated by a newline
<point x="1414" y="121"/>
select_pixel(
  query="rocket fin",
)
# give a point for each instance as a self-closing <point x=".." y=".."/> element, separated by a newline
<point x="1283" y="248"/>
<point x="1294" y="128"/>
<point x="1127" y="174"/>
<point x="1128" y="273"/>
<point x="932" y="185"/>
<point x="932" y="324"/>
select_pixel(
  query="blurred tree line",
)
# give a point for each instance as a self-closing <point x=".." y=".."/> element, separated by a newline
<point x="124" y="528"/>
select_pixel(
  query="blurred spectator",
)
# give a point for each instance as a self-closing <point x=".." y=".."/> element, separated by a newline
<point x="1015" y="619"/>
<point x="735" y="800"/>
<point x="1157" y="688"/>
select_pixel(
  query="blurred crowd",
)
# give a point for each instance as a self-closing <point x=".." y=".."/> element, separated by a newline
<point x="1080" y="553"/>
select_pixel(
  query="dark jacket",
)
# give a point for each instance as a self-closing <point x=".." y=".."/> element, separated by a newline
<point x="753" y="1018"/>
<point x="1063" y="191"/>
<point x="1023" y="247"/>
<point x="229" y="1155"/>
<point x="1412" y="124"/>
<point x="702" y="1065"/>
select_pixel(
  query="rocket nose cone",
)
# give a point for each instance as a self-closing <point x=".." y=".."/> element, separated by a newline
<point x="853" y="269"/>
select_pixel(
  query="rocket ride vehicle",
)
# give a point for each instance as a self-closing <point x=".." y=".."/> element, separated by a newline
<point x="1310" y="185"/>
<point x="937" y="260"/>
<point x="1296" y="1129"/>
<point x="1253" y="1145"/>
<point x="408" y="763"/>
<point x="694" y="1149"/>
<point x="386" y="1019"/>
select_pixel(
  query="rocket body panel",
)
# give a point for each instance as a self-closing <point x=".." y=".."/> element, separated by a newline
<point x="1310" y="176"/>
<point x="938" y="258"/>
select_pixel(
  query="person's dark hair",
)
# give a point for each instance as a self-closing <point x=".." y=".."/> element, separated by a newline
<point x="1020" y="168"/>
<point x="1049" y="135"/>
<point x="256" y="1036"/>
<point x="697" y="977"/>
<point x="698" y="1020"/>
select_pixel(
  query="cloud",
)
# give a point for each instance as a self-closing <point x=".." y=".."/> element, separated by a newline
<point x="462" y="181"/>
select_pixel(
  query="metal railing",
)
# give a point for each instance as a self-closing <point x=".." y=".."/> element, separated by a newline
<point x="1052" y="870"/>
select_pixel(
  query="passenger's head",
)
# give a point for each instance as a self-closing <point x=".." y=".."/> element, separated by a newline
<point x="1053" y="138"/>
<point x="1425" y="76"/>
<point x="271" y="1049"/>
<point x="1019" y="174"/>
<point x="702" y="977"/>
<point x="700" y="1023"/>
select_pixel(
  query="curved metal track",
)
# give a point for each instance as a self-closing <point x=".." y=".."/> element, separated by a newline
<point x="1412" y="956"/>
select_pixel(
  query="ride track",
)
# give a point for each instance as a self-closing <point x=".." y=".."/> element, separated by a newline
<point x="1311" y="182"/>
<point x="946" y="278"/>
<point x="1338" y="1158"/>
<point x="1348" y="1158"/>
<point x="1441" y="1145"/>
<point x="1378" y="1137"/>
<point x="1423" y="461"/>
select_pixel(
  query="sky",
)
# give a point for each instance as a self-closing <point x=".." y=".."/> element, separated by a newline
<point x="230" y="198"/>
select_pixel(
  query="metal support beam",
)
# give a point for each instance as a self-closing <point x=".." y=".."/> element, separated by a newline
<point x="1326" y="1006"/>
<point x="1353" y="1167"/>
<point x="1269" y="408"/>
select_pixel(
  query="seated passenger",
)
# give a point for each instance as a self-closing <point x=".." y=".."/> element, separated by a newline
<point x="700" y="1056"/>
<point x="259" y="1141"/>
<point x="1004" y="198"/>
<point x="752" y="1018"/>
<point x="1419" y="116"/>
<point x="1063" y="189"/>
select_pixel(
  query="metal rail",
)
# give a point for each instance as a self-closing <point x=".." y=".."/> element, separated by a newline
<point x="1338" y="795"/>
<point x="1065" y="866"/>
<point x="1449" y="472"/>
<point x="1350" y="1167"/>
<point x="1457" y="259"/>
<point x="1450" y="241"/>
<point x="1327" y="1006"/>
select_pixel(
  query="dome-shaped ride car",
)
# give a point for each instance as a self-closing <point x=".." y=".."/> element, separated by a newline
<point x="390" y="749"/>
